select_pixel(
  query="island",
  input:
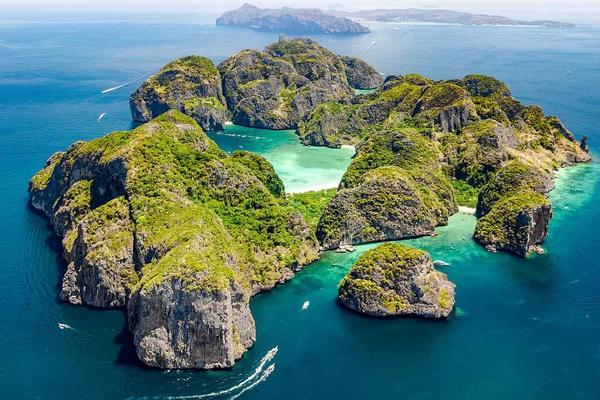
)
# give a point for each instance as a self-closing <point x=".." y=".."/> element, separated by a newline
<point x="291" y="20"/>
<point x="161" y="222"/>
<point x="440" y="16"/>
<point x="396" y="280"/>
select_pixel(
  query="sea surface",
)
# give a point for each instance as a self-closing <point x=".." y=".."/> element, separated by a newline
<point x="526" y="329"/>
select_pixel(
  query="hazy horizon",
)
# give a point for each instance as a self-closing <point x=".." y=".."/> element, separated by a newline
<point x="578" y="11"/>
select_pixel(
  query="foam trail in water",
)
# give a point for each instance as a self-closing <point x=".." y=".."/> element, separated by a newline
<point x="100" y="117"/>
<point x="370" y="45"/>
<point x="267" y="357"/>
<point x="64" y="326"/>
<point x="114" y="88"/>
<point x="264" y="376"/>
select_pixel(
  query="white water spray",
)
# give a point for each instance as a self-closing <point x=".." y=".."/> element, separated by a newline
<point x="114" y="88"/>
<point x="264" y="376"/>
<point x="259" y="369"/>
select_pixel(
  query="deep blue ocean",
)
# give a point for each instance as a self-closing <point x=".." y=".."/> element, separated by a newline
<point x="524" y="329"/>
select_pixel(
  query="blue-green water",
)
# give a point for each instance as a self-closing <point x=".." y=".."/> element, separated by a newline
<point x="524" y="328"/>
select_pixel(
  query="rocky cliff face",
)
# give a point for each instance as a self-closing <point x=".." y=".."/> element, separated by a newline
<point x="162" y="221"/>
<point x="191" y="85"/>
<point x="178" y="328"/>
<point x="513" y="178"/>
<point x="515" y="224"/>
<point x="361" y="75"/>
<point x="394" y="280"/>
<point x="287" y="19"/>
<point x="277" y="88"/>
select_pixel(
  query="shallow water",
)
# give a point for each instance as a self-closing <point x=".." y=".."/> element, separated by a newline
<point x="523" y="328"/>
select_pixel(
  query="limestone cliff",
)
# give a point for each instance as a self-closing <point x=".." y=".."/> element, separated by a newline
<point x="395" y="280"/>
<point x="278" y="87"/>
<point x="393" y="189"/>
<point x="162" y="221"/>
<point x="191" y="85"/>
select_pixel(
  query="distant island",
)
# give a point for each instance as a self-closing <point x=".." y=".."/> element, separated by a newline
<point x="442" y="17"/>
<point x="303" y="21"/>
<point x="297" y="20"/>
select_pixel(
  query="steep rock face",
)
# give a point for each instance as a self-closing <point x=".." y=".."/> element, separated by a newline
<point x="361" y="75"/>
<point x="191" y="85"/>
<point x="513" y="178"/>
<point x="446" y="105"/>
<point x="393" y="189"/>
<point x="484" y="147"/>
<point x="388" y="204"/>
<point x="276" y="88"/>
<point x="178" y="328"/>
<point x="100" y="270"/>
<point x="512" y="208"/>
<point x="395" y="280"/>
<point x="161" y="219"/>
<point x="515" y="224"/>
<point x="296" y="20"/>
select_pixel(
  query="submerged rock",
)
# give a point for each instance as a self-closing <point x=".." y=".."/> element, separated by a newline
<point x="395" y="280"/>
<point x="191" y="85"/>
<point x="162" y="221"/>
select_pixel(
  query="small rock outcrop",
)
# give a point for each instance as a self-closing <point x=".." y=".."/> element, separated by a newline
<point x="163" y="222"/>
<point x="513" y="210"/>
<point x="515" y="224"/>
<point x="191" y="85"/>
<point x="296" y="20"/>
<point x="395" y="280"/>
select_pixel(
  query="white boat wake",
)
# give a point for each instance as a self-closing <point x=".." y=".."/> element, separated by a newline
<point x="260" y="372"/>
<point x="370" y="45"/>
<point x="100" y="117"/>
<point x="114" y="88"/>
<point x="64" y="326"/>
<point x="264" y="376"/>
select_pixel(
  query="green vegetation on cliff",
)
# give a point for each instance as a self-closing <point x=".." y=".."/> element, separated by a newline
<point x="393" y="279"/>
<point x="312" y="204"/>
<point x="191" y="85"/>
<point x="200" y="215"/>
<point x="447" y="140"/>
<point x="515" y="223"/>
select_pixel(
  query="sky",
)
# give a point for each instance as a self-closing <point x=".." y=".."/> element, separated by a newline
<point x="583" y="11"/>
